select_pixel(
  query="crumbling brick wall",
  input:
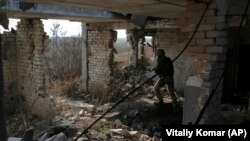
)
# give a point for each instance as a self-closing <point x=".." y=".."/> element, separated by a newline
<point x="208" y="47"/>
<point x="31" y="43"/>
<point x="100" y="61"/>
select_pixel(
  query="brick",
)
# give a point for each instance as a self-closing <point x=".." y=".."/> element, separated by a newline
<point x="205" y="41"/>
<point x="215" y="49"/>
<point x="214" y="20"/>
<point x="202" y="56"/>
<point x="212" y="75"/>
<point x="198" y="66"/>
<point x="188" y="28"/>
<point x="217" y="57"/>
<point x="200" y="34"/>
<point x="210" y="65"/>
<point x="221" y="26"/>
<point x="196" y="49"/>
<point x="213" y="34"/>
<point x="221" y="41"/>
<point x="205" y="27"/>
<point x="195" y="20"/>
<point x="193" y="14"/>
<point x="210" y="12"/>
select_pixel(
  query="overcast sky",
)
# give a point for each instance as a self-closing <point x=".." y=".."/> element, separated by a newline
<point x="71" y="28"/>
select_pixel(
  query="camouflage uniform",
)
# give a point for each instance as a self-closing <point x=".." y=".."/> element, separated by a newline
<point x="165" y="70"/>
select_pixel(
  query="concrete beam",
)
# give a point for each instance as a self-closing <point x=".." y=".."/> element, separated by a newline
<point x="153" y="8"/>
<point x="151" y="24"/>
<point x="45" y="11"/>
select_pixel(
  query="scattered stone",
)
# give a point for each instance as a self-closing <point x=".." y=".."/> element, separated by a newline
<point x="81" y="113"/>
<point x="67" y="115"/>
<point x="112" y="115"/>
<point x="135" y="134"/>
<point x="89" y="107"/>
<point x="74" y="118"/>
<point x="126" y="133"/>
<point x="116" y="131"/>
<point x="104" y="107"/>
<point x="118" y="123"/>
<point x="143" y="137"/>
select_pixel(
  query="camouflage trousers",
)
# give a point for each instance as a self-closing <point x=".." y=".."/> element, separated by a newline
<point x="169" y="81"/>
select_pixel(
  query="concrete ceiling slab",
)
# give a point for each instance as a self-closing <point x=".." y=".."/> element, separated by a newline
<point x="154" y="8"/>
<point x="49" y="11"/>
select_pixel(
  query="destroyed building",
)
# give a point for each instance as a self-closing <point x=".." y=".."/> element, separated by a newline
<point x="206" y="39"/>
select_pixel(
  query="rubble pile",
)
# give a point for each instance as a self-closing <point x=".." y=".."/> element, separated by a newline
<point x="135" y="119"/>
<point x="128" y="78"/>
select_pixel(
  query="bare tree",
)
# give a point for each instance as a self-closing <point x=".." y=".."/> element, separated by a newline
<point x="64" y="58"/>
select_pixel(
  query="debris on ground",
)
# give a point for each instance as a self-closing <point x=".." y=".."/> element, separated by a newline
<point x="134" y="119"/>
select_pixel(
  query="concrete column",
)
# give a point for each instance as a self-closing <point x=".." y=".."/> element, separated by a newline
<point x="84" y="58"/>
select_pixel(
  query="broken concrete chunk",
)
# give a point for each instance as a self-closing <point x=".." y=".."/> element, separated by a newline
<point x="85" y="106"/>
<point x="104" y="107"/>
<point x="89" y="107"/>
<point x="112" y="115"/>
<point x="135" y="134"/>
<point x="116" y="132"/>
<point x="74" y="118"/>
<point x="81" y="113"/>
<point x="143" y="137"/>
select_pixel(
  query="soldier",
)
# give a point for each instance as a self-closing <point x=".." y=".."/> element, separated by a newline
<point x="165" y="70"/>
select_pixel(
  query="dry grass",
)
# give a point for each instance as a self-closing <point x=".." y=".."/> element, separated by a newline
<point x="65" y="87"/>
